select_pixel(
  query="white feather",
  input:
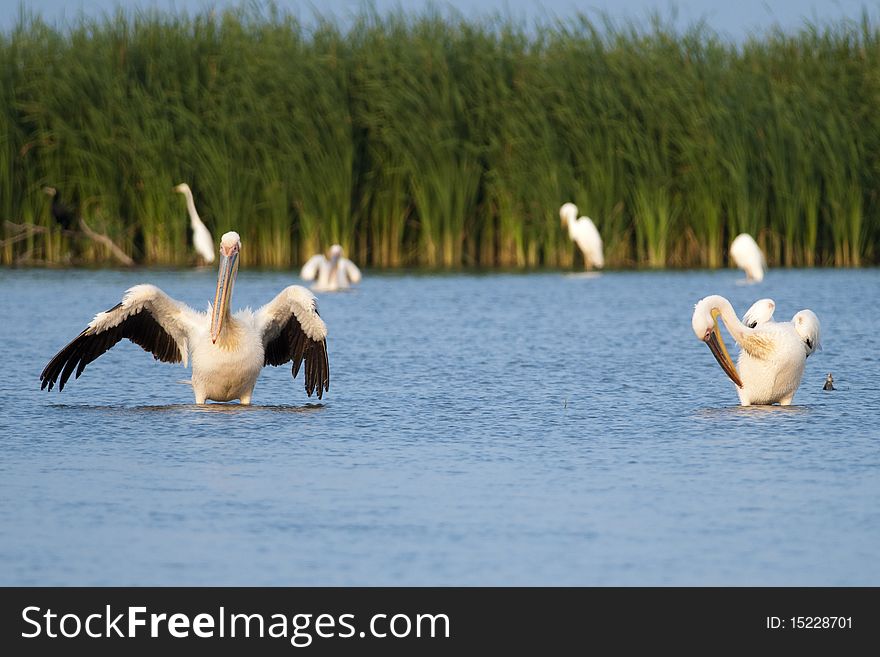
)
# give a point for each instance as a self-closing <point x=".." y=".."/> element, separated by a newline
<point x="351" y="270"/>
<point x="295" y="300"/>
<point x="760" y="312"/>
<point x="310" y="270"/>
<point x="176" y="318"/>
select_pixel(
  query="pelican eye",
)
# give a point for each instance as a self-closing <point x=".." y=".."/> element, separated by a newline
<point x="752" y="324"/>
<point x="809" y="343"/>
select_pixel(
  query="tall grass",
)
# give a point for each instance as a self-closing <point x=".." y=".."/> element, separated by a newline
<point x="432" y="140"/>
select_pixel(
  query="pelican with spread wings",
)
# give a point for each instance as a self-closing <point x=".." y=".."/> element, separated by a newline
<point x="330" y="273"/>
<point x="227" y="351"/>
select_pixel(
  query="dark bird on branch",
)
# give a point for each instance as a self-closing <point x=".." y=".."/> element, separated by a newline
<point x="64" y="215"/>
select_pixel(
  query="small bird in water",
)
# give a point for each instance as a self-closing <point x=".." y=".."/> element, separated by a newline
<point x="829" y="383"/>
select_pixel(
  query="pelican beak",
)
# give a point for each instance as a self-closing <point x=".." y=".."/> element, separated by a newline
<point x="719" y="350"/>
<point x="225" y="281"/>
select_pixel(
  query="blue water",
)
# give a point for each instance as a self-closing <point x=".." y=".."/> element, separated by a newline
<point x="499" y="429"/>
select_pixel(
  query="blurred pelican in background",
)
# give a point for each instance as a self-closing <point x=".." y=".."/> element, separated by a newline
<point x="747" y="255"/>
<point x="202" y="240"/>
<point x="771" y="364"/>
<point x="584" y="234"/>
<point x="331" y="272"/>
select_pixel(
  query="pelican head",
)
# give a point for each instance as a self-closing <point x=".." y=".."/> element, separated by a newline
<point x="51" y="191"/>
<point x="568" y="213"/>
<point x="182" y="188"/>
<point x="705" y="325"/>
<point x="335" y="252"/>
<point x="230" y="246"/>
<point x="807" y="326"/>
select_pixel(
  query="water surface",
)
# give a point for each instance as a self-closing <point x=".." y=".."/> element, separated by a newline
<point x="480" y="429"/>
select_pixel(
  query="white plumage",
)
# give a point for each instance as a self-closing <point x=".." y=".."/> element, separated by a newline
<point x="227" y="351"/>
<point x="747" y="255"/>
<point x="584" y="234"/>
<point x="202" y="240"/>
<point x="771" y="364"/>
<point x="333" y="272"/>
<point x="760" y="312"/>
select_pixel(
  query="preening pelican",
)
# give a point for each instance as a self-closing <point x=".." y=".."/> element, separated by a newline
<point x="747" y="255"/>
<point x="773" y="356"/>
<point x="202" y="240"/>
<point x="333" y="272"/>
<point x="227" y="351"/>
<point x="584" y="234"/>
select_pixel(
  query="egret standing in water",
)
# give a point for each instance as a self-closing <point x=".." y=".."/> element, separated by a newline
<point x="228" y="351"/>
<point x="747" y="255"/>
<point x="333" y="272"/>
<point x="202" y="240"/>
<point x="771" y="363"/>
<point x="584" y="234"/>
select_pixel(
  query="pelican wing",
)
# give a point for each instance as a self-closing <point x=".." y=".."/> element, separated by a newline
<point x="759" y="313"/>
<point x="146" y="316"/>
<point x="292" y="330"/>
<point x="351" y="270"/>
<point x="758" y="344"/>
<point x="309" y="271"/>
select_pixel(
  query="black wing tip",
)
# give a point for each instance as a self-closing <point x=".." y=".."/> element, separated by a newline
<point x="140" y="327"/>
<point x="54" y="368"/>
<point x="48" y="385"/>
<point x="48" y="377"/>
<point x="317" y="374"/>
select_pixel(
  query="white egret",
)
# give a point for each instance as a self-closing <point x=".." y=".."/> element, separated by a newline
<point x="584" y="234"/>
<point x="202" y="240"/>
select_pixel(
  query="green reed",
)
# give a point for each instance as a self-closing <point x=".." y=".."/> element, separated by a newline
<point x="432" y="140"/>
